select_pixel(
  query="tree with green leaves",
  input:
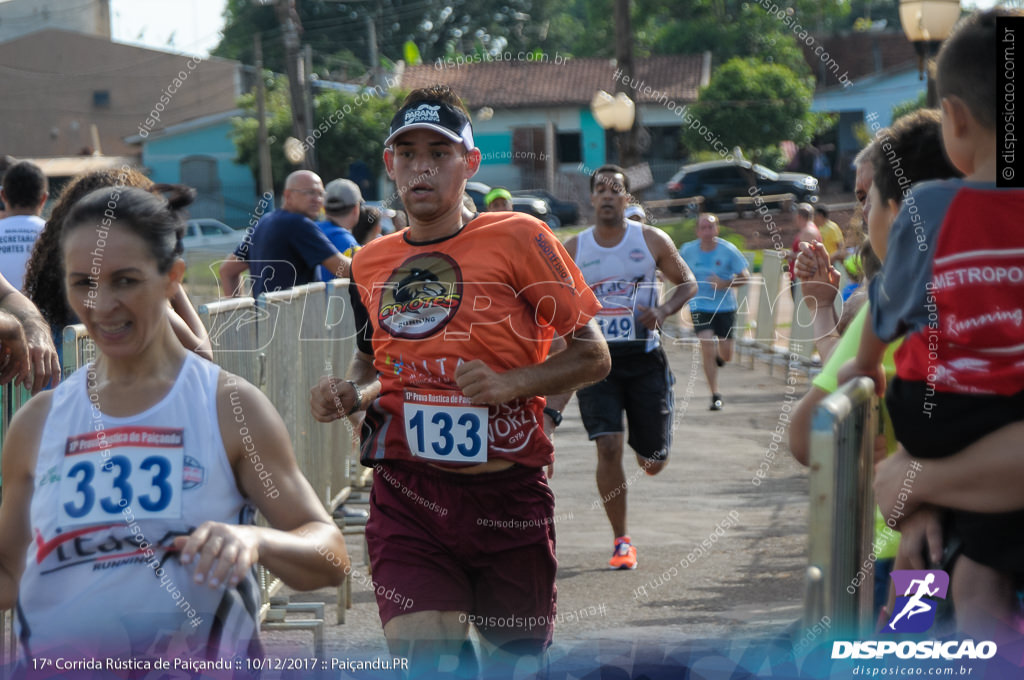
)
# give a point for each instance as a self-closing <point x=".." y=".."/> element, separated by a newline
<point x="348" y="128"/>
<point x="909" y="106"/>
<point x="339" y="32"/>
<point x="726" y="28"/>
<point x="754" y="105"/>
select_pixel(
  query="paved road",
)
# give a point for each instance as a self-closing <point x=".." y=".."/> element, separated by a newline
<point x="744" y="581"/>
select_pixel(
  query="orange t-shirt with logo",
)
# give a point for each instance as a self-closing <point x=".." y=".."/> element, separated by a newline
<point x="498" y="290"/>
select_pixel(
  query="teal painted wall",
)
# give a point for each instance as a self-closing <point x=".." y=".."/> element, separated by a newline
<point x="593" y="141"/>
<point x="495" y="148"/>
<point x="163" y="158"/>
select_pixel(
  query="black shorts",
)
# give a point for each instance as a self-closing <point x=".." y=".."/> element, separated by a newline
<point x="932" y="424"/>
<point x="721" y="324"/>
<point x="641" y="385"/>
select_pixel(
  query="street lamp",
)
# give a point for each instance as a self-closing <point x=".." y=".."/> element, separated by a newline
<point x="616" y="113"/>
<point x="613" y="113"/>
<point x="927" y="23"/>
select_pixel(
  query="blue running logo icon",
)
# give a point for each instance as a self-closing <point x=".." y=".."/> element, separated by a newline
<point x="914" y="611"/>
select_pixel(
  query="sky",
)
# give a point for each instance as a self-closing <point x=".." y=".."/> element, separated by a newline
<point x="192" y="25"/>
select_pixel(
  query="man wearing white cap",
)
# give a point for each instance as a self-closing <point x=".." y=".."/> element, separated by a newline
<point x="454" y="320"/>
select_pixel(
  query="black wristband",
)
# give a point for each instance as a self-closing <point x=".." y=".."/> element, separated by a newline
<point x="556" y="416"/>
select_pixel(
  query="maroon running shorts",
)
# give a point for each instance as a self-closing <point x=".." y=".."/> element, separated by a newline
<point x="479" y="544"/>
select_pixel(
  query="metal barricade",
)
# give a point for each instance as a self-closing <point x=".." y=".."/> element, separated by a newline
<point x="337" y="437"/>
<point x="771" y="273"/>
<point x="312" y="336"/>
<point x="766" y="292"/>
<point x="801" y="330"/>
<point x="840" y="582"/>
<point x="78" y="349"/>
<point x="13" y="398"/>
<point x="286" y="383"/>
<point x="232" y="326"/>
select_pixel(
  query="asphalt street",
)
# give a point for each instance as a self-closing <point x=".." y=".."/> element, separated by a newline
<point x="721" y="550"/>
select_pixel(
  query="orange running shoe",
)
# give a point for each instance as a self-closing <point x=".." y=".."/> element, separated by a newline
<point x="624" y="555"/>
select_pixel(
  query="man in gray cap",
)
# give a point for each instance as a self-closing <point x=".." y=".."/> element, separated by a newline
<point x="341" y="205"/>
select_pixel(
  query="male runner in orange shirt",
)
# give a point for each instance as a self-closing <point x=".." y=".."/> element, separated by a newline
<point x="456" y="320"/>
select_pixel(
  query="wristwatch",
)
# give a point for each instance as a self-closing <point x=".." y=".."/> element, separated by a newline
<point x="357" y="404"/>
<point x="556" y="416"/>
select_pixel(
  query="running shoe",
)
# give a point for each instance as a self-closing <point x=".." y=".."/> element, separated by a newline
<point x="716" y="402"/>
<point x="624" y="555"/>
<point x="719" y="361"/>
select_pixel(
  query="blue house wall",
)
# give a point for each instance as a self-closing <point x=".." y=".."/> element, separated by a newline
<point x="163" y="157"/>
<point x="867" y="102"/>
<point x="494" y="138"/>
<point x="594" y="151"/>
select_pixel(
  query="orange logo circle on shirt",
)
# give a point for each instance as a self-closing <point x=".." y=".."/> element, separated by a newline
<point x="421" y="296"/>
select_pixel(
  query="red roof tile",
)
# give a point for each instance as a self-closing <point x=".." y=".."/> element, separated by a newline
<point x="520" y="84"/>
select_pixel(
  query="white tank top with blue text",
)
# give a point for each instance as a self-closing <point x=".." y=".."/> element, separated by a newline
<point x="623" y="279"/>
<point x="111" y="494"/>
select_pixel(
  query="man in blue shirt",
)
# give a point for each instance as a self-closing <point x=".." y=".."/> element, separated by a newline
<point x="285" y="247"/>
<point x="341" y="205"/>
<point x="718" y="266"/>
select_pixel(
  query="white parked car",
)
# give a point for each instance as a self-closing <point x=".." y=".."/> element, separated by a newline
<point x="210" y="235"/>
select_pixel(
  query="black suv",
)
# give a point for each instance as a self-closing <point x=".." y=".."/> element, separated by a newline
<point x="719" y="182"/>
<point x="531" y="205"/>
<point x="567" y="212"/>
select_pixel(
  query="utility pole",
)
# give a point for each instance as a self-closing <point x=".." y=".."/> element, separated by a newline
<point x="266" y="177"/>
<point x="628" y="153"/>
<point x="288" y="17"/>
<point x="307" y="103"/>
<point x="371" y="31"/>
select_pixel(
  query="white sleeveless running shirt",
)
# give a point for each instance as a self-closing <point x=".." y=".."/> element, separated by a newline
<point x="623" y="278"/>
<point x="110" y="496"/>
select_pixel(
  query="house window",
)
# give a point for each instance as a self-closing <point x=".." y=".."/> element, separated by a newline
<point x="101" y="99"/>
<point x="570" y="147"/>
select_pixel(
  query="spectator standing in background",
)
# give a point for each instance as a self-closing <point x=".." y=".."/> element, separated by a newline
<point x="831" y="235"/>
<point x="286" y="245"/>
<point x="808" y="233"/>
<point x="342" y="204"/>
<point x="497" y="199"/>
<point x="24" y="194"/>
<point x="368" y="225"/>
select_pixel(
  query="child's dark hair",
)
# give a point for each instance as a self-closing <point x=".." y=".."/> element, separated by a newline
<point x="369" y="217"/>
<point x="966" y="65"/>
<point x="154" y="216"/>
<point x="908" y="152"/>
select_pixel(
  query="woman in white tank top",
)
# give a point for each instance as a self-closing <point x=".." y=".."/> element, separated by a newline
<point x="125" y="528"/>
